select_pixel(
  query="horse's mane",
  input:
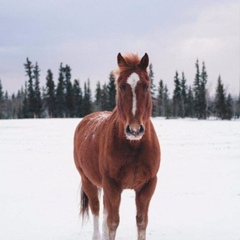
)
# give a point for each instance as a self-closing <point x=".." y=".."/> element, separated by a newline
<point x="132" y="62"/>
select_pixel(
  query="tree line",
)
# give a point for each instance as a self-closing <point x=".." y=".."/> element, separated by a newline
<point x="65" y="98"/>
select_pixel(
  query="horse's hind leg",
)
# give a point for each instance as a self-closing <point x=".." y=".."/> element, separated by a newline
<point x="92" y="193"/>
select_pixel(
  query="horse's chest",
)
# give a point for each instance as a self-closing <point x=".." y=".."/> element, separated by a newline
<point x="133" y="173"/>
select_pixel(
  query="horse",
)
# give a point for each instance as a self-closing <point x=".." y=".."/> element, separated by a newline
<point x="119" y="150"/>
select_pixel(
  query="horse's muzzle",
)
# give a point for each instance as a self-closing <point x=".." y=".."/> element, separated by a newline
<point x="134" y="132"/>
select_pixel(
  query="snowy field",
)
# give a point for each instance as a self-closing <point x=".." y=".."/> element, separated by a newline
<point x="197" y="196"/>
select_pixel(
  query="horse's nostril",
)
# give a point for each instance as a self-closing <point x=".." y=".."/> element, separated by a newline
<point x="128" y="130"/>
<point x="141" y="129"/>
<point x="135" y="131"/>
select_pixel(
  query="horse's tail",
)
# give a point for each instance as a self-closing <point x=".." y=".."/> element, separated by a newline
<point x="84" y="205"/>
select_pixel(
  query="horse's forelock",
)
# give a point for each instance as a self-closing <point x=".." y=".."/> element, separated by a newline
<point x="129" y="62"/>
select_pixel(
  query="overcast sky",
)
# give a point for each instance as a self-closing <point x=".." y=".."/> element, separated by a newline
<point x="87" y="35"/>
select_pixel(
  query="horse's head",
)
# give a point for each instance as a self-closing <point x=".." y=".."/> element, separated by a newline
<point x="134" y="103"/>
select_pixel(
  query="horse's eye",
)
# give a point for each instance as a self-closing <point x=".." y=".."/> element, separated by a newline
<point x="145" y="88"/>
<point x="122" y="88"/>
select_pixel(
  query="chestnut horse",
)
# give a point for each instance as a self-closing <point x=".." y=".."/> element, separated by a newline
<point x="119" y="150"/>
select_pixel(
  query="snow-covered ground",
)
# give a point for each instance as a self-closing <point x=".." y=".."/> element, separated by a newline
<point x="197" y="196"/>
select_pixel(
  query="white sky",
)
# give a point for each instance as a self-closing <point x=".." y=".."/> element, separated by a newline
<point x="87" y="35"/>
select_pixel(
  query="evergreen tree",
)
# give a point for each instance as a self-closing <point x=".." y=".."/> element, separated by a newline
<point x="69" y="92"/>
<point x="238" y="107"/>
<point x="104" y="97"/>
<point x="177" y="98"/>
<point x="190" y="103"/>
<point x="87" y="104"/>
<point x="77" y="99"/>
<point x="30" y="90"/>
<point x="7" y="106"/>
<point x="183" y="88"/>
<point x="50" y="94"/>
<point x="1" y="101"/>
<point x="200" y="102"/>
<point x="166" y="101"/>
<point x="229" y="107"/>
<point x="25" y="103"/>
<point x="196" y="91"/>
<point x="98" y="94"/>
<point x="220" y="100"/>
<point x="160" y="99"/>
<point x="60" y="95"/>
<point x="111" y="89"/>
<point x="37" y="93"/>
<point x="152" y="90"/>
<point x="203" y="93"/>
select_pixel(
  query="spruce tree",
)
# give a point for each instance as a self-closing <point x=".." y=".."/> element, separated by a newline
<point x="87" y="104"/>
<point x="37" y="93"/>
<point x="50" y="94"/>
<point x="69" y="92"/>
<point x="160" y="99"/>
<point x="30" y="90"/>
<point x="1" y="101"/>
<point x="229" y="107"/>
<point x="111" y="89"/>
<point x="77" y="99"/>
<point x="238" y="107"/>
<point x="196" y="91"/>
<point x="25" y="103"/>
<point x="190" y="103"/>
<point x="220" y="100"/>
<point x="60" y="95"/>
<point x="177" y="98"/>
<point x="167" y="109"/>
<point x="152" y="90"/>
<point x="104" y="97"/>
<point x="183" y="88"/>
<point x="203" y="93"/>
<point x="98" y="93"/>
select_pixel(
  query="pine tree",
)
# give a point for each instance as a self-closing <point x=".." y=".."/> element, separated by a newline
<point x="30" y="90"/>
<point x="77" y="99"/>
<point x="220" y="100"/>
<point x="183" y="88"/>
<point x="25" y="103"/>
<point x="104" y="97"/>
<point x="69" y="92"/>
<point x="50" y="94"/>
<point x="37" y="93"/>
<point x="60" y="95"/>
<point x="190" y="103"/>
<point x="1" y="101"/>
<point x="87" y="104"/>
<point x="238" y="107"/>
<point x="196" y="91"/>
<point x="229" y="107"/>
<point x="166" y="100"/>
<point x="98" y="94"/>
<point x="152" y="90"/>
<point x="111" y="90"/>
<point x="199" y="89"/>
<point x="160" y="99"/>
<point x="203" y="93"/>
<point x="177" y="98"/>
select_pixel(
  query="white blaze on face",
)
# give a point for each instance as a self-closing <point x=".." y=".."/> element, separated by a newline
<point x="132" y="81"/>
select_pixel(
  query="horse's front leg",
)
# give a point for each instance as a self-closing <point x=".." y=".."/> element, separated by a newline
<point x="143" y="197"/>
<point x="112" y="197"/>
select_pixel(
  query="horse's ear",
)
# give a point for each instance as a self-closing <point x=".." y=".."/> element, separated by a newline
<point x="144" y="62"/>
<point x="121" y="61"/>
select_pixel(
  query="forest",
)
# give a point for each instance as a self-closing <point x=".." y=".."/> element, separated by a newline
<point x="65" y="98"/>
